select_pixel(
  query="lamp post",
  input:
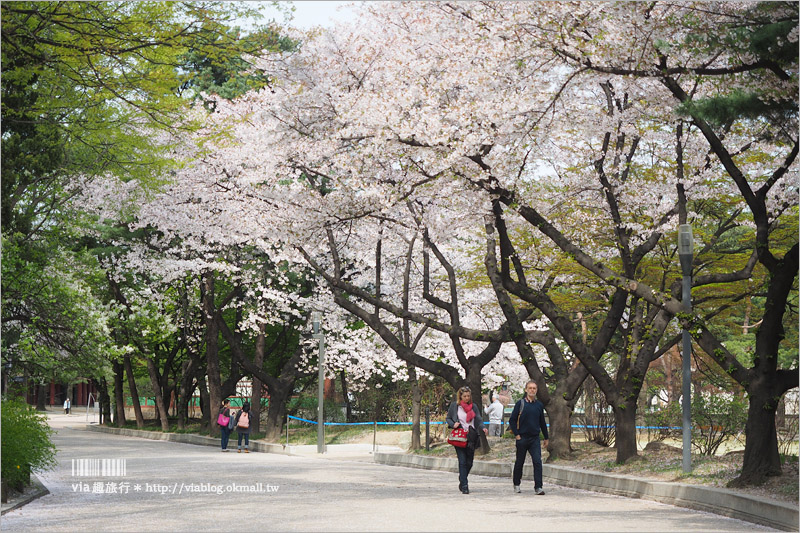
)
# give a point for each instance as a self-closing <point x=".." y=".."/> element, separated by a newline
<point x="686" y="253"/>
<point x="316" y="317"/>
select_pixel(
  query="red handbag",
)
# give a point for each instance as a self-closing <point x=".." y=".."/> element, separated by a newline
<point x="458" y="438"/>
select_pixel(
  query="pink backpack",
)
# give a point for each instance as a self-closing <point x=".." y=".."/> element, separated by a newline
<point x="244" y="420"/>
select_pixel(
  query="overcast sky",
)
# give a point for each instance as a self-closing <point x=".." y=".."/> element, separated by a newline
<point x="309" y="14"/>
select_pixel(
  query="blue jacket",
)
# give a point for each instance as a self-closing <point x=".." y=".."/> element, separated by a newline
<point x="531" y="421"/>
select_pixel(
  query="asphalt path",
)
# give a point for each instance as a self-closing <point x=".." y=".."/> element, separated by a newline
<point x="181" y="487"/>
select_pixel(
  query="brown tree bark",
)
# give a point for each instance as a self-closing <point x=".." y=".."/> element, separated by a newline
<point x="255" y="396"/>
<point x="212" y="351"/>
<point x="156" y="383"/>
<point x="416" y="401"/>
<point x="41" y="397"/>
<point x="137" y="408"/>
<point x="105" y="402"/>
<point x="119" y="394"/>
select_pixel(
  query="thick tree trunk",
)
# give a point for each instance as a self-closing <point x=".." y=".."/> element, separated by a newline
<point x="761" y="457"/>
<point x="765" y="389"/>
<point x="625" y="420"/>
<point x="255" y="396"/>
<point x="105" y="403"/>
<point x="212" y="353"/>
<point x="119" y="394"/>
<point x="416" y="401"/>
<point x="255" y="406"/>
<point x="169" y="400"/>
<point x="137" y="408"/>
<point x="347" y="404"/>
<point x="186" y="388"/>
<point x="276" y="412"/>
<point x="41" y="397"/>
<point x="160" y="406"/>
<point x="183" y="394"/>
<point x="560" y="431"/>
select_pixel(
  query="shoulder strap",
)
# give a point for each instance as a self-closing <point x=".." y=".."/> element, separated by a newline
<point x="521" y="407"/>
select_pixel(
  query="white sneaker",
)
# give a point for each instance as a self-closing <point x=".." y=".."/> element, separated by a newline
<point x="539" y="491"/>
<point x="517" y="489"/>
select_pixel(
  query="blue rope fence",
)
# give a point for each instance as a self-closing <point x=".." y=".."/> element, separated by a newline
<point x="434" y="423"/>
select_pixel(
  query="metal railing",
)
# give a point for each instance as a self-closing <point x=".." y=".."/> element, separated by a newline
<point x="95" y="410"/>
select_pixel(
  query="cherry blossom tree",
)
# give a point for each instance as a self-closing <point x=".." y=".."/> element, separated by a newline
<point x="732" y="73"/>
<point x="406" y="95"/>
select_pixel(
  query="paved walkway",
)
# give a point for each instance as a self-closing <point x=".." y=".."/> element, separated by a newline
<point x="289" y="493"/>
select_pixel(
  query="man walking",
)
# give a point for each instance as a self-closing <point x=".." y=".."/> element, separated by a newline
<point x="526" y="422"/>
<point x="495" y="412"/>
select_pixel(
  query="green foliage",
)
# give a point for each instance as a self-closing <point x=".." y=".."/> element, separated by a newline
<point x="94" y="88"/>
<point x="660" y="422"/>
<point x="26" y="442"/>
<point x="53" y="323"/>
<point x="725" y="109"/>
<point x="305" y="406"/>
<point x="761" y="37"/>
<point x="224" y="71"/>
<point x="716" y="418"/>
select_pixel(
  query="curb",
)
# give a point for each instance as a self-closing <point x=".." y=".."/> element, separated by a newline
<point x="720" y="501"/>
<point x="39" y="490"/>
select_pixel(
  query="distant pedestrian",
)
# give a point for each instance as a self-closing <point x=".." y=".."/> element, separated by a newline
<point x="495" y="412"/>
<point x="463" y="413"/>
<point x="526" y="423"/>
<point x="224" y="413"/>
<point x="243" y="427"/>
<point x="67" y="405"/>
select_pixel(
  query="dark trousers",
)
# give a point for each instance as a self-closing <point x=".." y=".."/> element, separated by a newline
<point x="465" y="458"/>
<point x="532" y="446"/>
<point x="246" y="440"/>
<point x="226" y="434"/>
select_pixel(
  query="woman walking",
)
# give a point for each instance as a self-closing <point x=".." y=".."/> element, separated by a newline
<point x="463" y="413"/>
<point x="243" y="427"/>
<point x="222" y="420"/>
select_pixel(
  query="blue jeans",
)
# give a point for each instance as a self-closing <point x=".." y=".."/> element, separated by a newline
<point x="532" y="446"/>
<point x="465" y="458"/>
<point x="246" y="440"/>
<point x="226" y="434"/>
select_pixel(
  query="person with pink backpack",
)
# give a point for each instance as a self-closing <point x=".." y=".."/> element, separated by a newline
<point x="243" y="427"/>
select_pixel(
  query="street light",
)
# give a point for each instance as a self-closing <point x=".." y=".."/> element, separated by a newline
<point x="316" y="318"/>
<point x="686" y="253"/>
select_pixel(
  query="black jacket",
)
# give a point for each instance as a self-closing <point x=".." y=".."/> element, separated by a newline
<point x="531" y="421"/>
<point x="452" y="416"/>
